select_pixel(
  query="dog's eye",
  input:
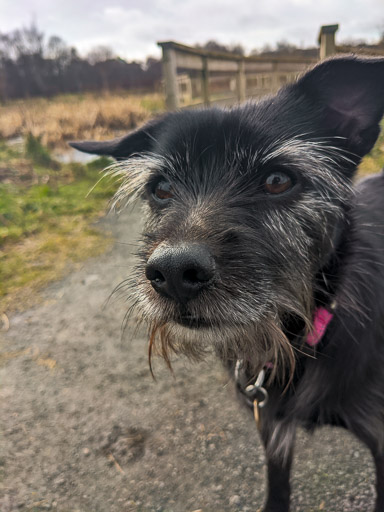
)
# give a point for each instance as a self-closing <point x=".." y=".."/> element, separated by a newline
<point x="277" y="183"/>
<point x="163" y="191"/>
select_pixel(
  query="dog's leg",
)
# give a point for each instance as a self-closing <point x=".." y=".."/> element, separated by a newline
<point x="278" y="466"/>
<point x="379" y="462"/>
<point x="378" y="457"/>
<point x="279" y="487"/>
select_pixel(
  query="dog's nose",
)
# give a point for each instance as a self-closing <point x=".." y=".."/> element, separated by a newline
<point x="181" y="271"/>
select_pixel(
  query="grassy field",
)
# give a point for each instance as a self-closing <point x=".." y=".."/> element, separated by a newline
<point x="70" y="117"/>
<point x="46" y="217"/>
<point x="45" y="220"/>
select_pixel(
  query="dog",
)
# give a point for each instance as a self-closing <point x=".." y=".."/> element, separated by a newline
<point x="258" y="245"/>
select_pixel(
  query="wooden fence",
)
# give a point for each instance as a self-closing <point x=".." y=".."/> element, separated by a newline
<point x="193" y="73"/>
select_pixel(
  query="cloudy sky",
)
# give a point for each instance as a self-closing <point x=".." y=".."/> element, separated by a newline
<point x="132" y="27"/>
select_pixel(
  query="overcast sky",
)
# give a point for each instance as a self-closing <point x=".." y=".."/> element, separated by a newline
<point x="131" y="28"/>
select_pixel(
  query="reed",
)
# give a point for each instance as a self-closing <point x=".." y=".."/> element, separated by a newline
<point x="88" y="116"/>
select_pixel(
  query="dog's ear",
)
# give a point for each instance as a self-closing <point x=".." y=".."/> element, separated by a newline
<point x="142" y="140"/>
<point x="349" y="92"/>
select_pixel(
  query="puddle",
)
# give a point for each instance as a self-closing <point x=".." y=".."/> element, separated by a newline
<point x="63" y="155"/>
<point x="15" y="141"/>
<point x="66" y="156"/>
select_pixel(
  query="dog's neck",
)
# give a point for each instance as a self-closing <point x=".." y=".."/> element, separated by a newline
<point x="328" y="277"/>
<point x="327" y="280"/>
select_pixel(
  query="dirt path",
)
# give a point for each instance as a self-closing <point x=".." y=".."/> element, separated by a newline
<point x="84" y="427"/>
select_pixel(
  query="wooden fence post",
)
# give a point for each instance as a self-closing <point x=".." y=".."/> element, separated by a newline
<point x="170" y="78"/>
<point x="275" y="81"/>
<point x="205" y="81"/>
<point x="327" y="40"/>
<point x="241" y="81"/>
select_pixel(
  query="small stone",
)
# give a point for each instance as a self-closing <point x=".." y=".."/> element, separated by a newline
<point x="90" y="279"/>
<point x="86" y="451"/>
<point x="235" y="500"/>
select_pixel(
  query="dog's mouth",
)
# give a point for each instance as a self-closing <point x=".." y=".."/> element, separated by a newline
<point x="292" y="326"/>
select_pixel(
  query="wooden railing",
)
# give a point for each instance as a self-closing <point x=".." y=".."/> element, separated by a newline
<point x="190" y="73"/>
<point x="251" y="75"/>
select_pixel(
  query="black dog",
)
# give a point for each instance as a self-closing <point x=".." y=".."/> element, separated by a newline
<point x="258" y="245"/>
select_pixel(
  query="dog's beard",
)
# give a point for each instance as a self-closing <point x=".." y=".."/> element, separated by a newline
<point x="254" y="344"/>
<point x="249" y="327"/>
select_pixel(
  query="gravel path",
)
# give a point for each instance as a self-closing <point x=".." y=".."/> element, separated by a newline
<point x="85" y="428"/>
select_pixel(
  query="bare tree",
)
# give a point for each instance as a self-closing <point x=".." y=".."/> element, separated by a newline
<point x="100" y="54"/>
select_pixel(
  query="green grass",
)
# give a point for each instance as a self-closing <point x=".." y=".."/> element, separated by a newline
<point x="37" y="152"/>
<point x="374" y="161"/>
<point x="46" y="225"/>
<point x="153" y="103"/>
<point x="25" y="212"/>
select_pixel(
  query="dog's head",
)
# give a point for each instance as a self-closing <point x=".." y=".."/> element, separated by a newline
<point x="245" y="207"/>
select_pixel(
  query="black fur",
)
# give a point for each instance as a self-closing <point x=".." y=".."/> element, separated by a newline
<point x="226" y="263"/>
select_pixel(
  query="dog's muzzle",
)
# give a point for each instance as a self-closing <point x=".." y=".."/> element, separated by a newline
<point x="182" y="271"/>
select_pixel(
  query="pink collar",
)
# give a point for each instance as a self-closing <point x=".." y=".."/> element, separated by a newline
<point x="320" y="324"/>
<point x="321" y="321"/>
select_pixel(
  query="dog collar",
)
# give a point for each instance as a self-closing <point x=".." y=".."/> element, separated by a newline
<point x="256" y="394"/>
<point x="321" y="321"/>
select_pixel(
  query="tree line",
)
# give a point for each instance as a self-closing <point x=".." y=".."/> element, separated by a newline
<point x="32" y="65"/>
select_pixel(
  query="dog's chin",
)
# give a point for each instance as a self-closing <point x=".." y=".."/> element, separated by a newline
<point x="197" y="328"/>
<point x="192" y="322"/>
<point x="198" y="332"/>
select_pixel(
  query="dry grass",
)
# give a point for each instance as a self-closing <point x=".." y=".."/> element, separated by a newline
<point x="71" y="117"/>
